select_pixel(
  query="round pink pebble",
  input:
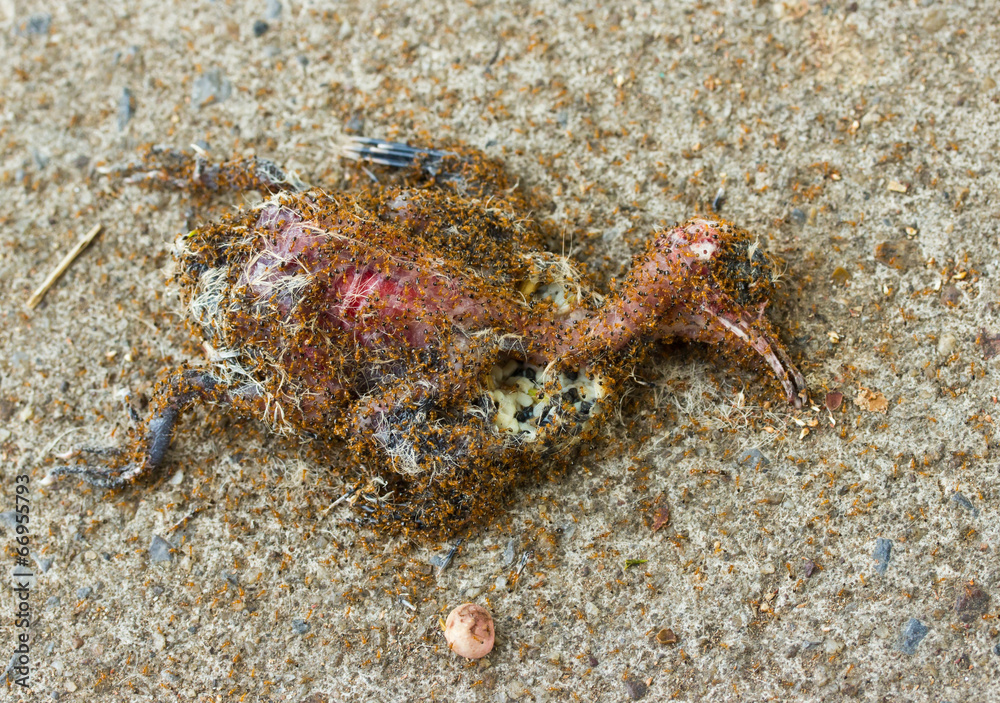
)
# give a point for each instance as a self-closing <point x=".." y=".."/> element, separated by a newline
<point x="469" y="631"/>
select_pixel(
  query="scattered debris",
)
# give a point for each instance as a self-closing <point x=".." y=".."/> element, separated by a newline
<point x="897" y="187"/>
<point x="210" y="87"/>
<point x="754" y="458"/>
<point x="960" y="499"/>
<point x="833" y="400"/>
<point x="35" y="25"/>
<point x="913" y="633"/>
<point x="989" y="343"/>
<point x="667" y="636"/>
<point x="629" y="563"/>
<point x="510" y="552"/>
<point x="972" y="604"/>
<point x="443" y="561"/>
<point x="872" y="401"/>
<point x="126" y="108"/>
<point x="661" y="514"/>
<point x="901" y="254"/>
<point x="160" y="549"/>
<point x="469" y="631"/>
<point x="840" y="276"/>
<point x="635" y="688"/>
<point x="882" y="554"/>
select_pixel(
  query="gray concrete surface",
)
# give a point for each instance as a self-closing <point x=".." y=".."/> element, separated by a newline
<point x="859" y="139"/>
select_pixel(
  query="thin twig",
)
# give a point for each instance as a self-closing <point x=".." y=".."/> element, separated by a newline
<point x="59" y="270"/>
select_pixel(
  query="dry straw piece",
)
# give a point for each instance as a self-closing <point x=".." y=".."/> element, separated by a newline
<point x="66" y="262"/>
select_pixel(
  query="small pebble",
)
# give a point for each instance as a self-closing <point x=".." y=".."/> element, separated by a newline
<point x="946" y="344"/>
<point x="260" y="28"/>
<point x="469" y="631"/>
<point x="972" y="604"/>
<point x="77" y="642"/>
<point x="882" y="554"/>
<point x="126" y="108"/>
<point x="273" y="11"/>
<point x="960" y="499"/>
<point x="913" y="633"/>
<point x="754" y="458"/>
<point x="159" y="641"/>
<point x="799" y="216"/>
<point x="510" y="552"/>
<point x="666" y="636"/>
<point x="635" y="688"/>
<point x="300" y="627"/>
<point x="834" y="400"/>
<point x="159" y="549"/>
<point x="84" y="592"/>
<point x="210" y="87"/>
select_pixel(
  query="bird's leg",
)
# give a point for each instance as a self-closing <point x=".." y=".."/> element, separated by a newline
<point x="149" y="446"/>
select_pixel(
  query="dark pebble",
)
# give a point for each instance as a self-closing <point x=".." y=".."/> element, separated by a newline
<point x="571" y="396"/>
<point x="960" y="499"/>
<point x="972" y="604"/>
<point x="528" y="373"/>
<point x="260" y="28"/>
<point x="799" y="216"/>
<point x="754" y="458"/>
<point x="809" y="569"/>
<point x="572" y="375"/>
<point x="36" y="24"/>
<point x="996" y="649"/>
<point x="80" y="161"/>
<point x="84" y="592"/>
<point x="913" y="633"/>
<point x="882" y="554"/>
<point x="126" y="108"/>
<point x="300" y="627"/>
<point x="585" y="407"/>
<point x="635" y="688"/>
<point x="159" y="549"/>
<point x="193" y="629"/>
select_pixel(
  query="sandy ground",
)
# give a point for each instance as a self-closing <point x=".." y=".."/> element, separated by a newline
<point x="859" y="139"/>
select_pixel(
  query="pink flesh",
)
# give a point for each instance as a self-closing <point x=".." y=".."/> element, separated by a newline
<point x="386" y="296"/>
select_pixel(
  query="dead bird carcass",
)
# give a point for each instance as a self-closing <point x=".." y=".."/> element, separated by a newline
<point x="423" y="323"/>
